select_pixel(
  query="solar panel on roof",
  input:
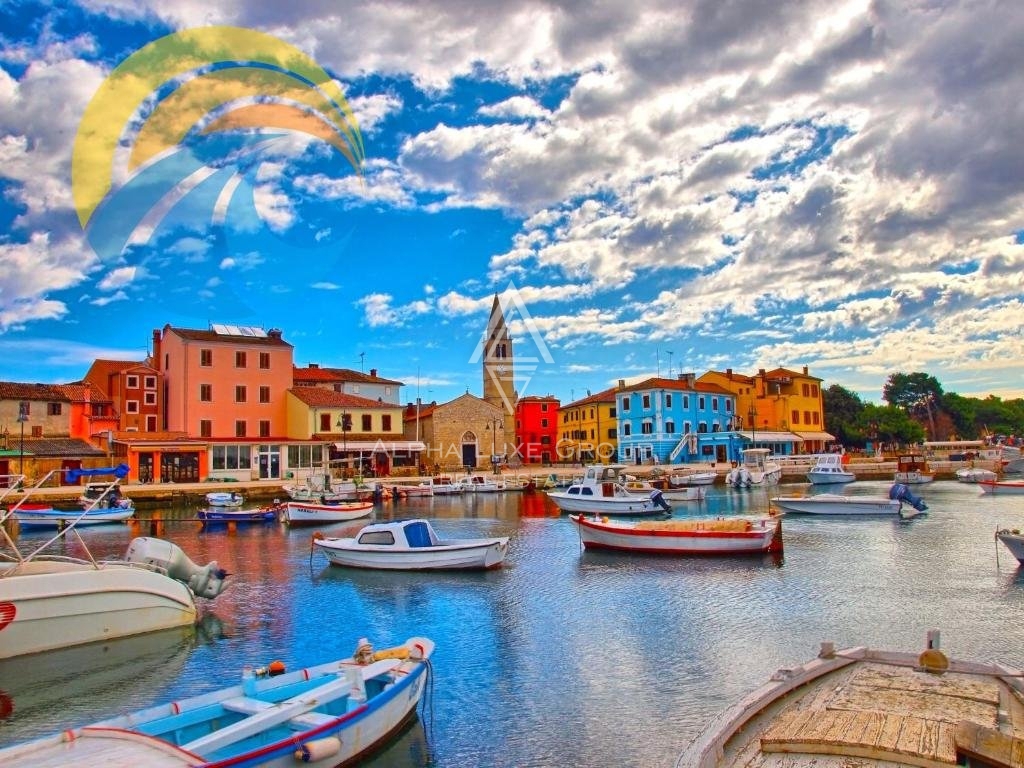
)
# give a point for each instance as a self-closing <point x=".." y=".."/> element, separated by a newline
<point x="233" y="330"/>
<point x="259" y="333"/>
<point x="245" y="331"/>
<point x="218" y="328"/>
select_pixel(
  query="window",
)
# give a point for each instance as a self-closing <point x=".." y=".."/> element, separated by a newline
<point x="647" y="402"/>
<point x="387" y="390"/>
<point x="205" y="428"/>
<point x="232" y="457"/>
<point x="544" y="423"/>
<point x="807" y="417"/>
<point x="687" y="427"/>
<point x="149" y="382"/>
<point x="355" y="389"/>
<point x="37" y="431"/>
<point x="647" y="428"/>
<point x="132" y="381"/>
<point x="611" y="412"/>
<point x="53" y="409"/>
<point x="149" y="398"/>
<point x="205" y="358"/>
<point x="131" y="406"/>
<point x="815" y="417"/>
<point x="714" y="403"/>
<point x="264" y="427"/>
<point x="814" y="390"/>
<point x="367" y="422"/>
<point x="305" y="456"/>
<point x="700" y="403"/>
<point x="167" y="361"/>
<point x="686" y="402"/>
<point x="728" y="406"/>
<point x="377" y="537"/>
<point x="625" y="404"/>
<point x="545" y="440"/>
<point x="795" y="417"/>
<point x="385" y="422"/>
<point x="206" y="393"/>
<point x="239" y="359"/>
<point x="702" y="427"/>
<point x="240" y="393"/>
<point x="670" y="427"/>
<point x="611" y="433"/>
<point x="625" y="429"/>
<point x="265" y="361"/>
<point x="240" y="428"/>
<point x="325" y="422"/>
<point x="151" y="423"/>
<point x="668" y="400"/>
<point x="806" y="390"/>
<point x="264" y="394"/>
<point x="544" y="407"/>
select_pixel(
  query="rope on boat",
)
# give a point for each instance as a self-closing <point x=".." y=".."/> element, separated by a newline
<point x="427" y="709"/>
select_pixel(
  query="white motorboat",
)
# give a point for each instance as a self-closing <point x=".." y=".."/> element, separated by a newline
<point x="975" y="474"/>
<point x="1002" y="487"/>
<point x="1014" y="541"/>
<point x="56" y="601"/>
<point x="837" y="504"/>
<point x="757" y="468"/>
<point x="913" y="469"/>
<point x="224" y="499"/>
<point x="323" y="489"/>
<point x="695" y="536"/>
<point x="672" y="493"/>
<point x="481" y="484"/>
<point x="303" y="513"/>
<point x="412" y="545"/>
<point x="684" y="477"/>
<point x="870" y="708"/>
<point x="602" y="490"/>
<point x="442" y="485"/>
<point x="829" y="468"/>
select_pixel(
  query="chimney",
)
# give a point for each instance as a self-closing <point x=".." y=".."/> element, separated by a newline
<point x="728" y="372"/>
<point x="373" y="373"/>
<point x="622" y="383"/>
<point x="760" y="372"/>
<point x="805" y="370"/>
<point x="156" y="349"/>
<point x="314" y="366"/>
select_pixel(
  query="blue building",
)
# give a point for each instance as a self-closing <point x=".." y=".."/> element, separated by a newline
<point x="674" y="421"/>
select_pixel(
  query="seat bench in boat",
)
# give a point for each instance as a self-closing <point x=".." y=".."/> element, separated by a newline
<point x="246" y="706"/>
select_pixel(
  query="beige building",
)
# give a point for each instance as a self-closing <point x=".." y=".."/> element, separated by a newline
<point x="464" y="432"/>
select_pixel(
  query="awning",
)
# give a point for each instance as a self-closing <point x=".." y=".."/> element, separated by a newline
<point x="386" y="446"/>
<point x="816" y="436"/>
<point x="770" y="437"/>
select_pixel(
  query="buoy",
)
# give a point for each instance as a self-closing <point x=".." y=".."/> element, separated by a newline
<point x="933" y="660"/>
<point x="318" y="749"/>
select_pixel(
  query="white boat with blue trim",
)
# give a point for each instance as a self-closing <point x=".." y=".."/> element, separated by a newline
<point x="829" y="468"/>
<point x="602" y="489"/>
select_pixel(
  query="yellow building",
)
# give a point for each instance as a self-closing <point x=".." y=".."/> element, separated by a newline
<point x="779" y="409"/>
<point x="589" y="430"/>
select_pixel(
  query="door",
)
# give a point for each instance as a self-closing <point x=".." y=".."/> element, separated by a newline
<point x="146" y="467"/>
<point x="469" y="454"/>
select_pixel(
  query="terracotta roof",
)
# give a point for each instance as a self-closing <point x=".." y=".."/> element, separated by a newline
<point x="133" y="436"/>
<point x="425" y="411"/>
<point x="316" y="373"/>
<point x="192" y="334"/>
<point x="678" y="384"/>
<point x="740" y="377"/>
<point x="318" y="397"/>
<point x="76" y="393"/>
<point x="14" y="390"/>
<point x="605" y="396"/>
<point x="57" y="446"/>
<point x="538" y="399"/>
<point x="786" y="373"/>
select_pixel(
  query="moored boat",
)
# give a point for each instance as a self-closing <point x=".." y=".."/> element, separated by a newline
<point x="672" y="493"/>
<point x="224" y="499"/>
<point x="695" y="536"/>
<point x="975" y="474"/>
<point x="1013" y="540"/>
<point x="871" y="709"/>
<point x="602" y="490"/>
<point x="222" y="515"/>
<point x="44" y="516"/>
<point x="838" y="504"/>
<point x="412" y="545"/>
<point x="1002" y="487"/>
<point x="692" y="476"/>
<point x="829" y="468"/>
<point x="326" y="715"/>
<point x="442" y="485"/>
<point x="303" y="513"/>
<point x="757" y="468"/>
<point x="913" y="469"/>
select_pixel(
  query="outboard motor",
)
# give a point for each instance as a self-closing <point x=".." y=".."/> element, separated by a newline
<point x="901" y="492"/>
<point x="659" y="498"/>
<point x="206" y="581"/>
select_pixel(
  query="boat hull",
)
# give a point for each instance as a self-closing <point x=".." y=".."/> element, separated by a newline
<point x="296" y="513"/>
<point x="830" y="504"/>
<point x="215" y="515"/>
<point x="450" y="556"/>
<point x="219" y="499"/>
<point x="56" y="604"/>
<point x="825" y="478"/>
<point x="1013" y="542"/>
<point x="745" y="537"/>
<point x="1002" y="488"/>
<point x="605" y="506"/>
<point x="59" y="518"/>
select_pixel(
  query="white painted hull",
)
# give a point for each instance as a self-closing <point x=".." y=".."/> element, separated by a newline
<point x="1002" y="488"/>
<point x="975" y="475"/>
<point x="833" y="504"/>
<point x="694" y="478"/>
<point x="608" y="506"/>
<point x="297" y="513"/>
<point x="453" y="554"/>
<point x="1014" y="542"/>
<point x="224" y="500"/>
<point x="913" y="478"/>
<point x="824" y="478"/>
<point x="55" y="518"/>
<point x="712" y="540"/>
<point x="49" y="605"/>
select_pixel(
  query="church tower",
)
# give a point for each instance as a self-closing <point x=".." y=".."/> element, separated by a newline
<point x="499" y="381"/>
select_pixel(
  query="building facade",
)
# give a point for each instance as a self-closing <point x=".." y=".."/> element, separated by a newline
<point x="134" y="390"/>
<point x="349" y="382"/>
<point x="536" y="436"/>
<point x="589" y="429"/>
<point x="466" y="433"/>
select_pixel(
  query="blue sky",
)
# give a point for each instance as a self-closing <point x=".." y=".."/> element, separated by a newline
<point x="665" y="187"/>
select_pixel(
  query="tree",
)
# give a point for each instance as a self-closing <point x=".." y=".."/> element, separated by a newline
<point x="891" y="424"/>
<point x="918" y="394"/>
<point x="842" y="413"/>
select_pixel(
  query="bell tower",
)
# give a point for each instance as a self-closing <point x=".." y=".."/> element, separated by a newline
<point x="499" y="381"/>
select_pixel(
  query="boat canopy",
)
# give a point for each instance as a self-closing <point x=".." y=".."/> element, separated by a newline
<point x="120" y="472"/>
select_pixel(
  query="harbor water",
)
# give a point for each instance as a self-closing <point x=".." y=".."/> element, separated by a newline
<point x="562" y="657"/>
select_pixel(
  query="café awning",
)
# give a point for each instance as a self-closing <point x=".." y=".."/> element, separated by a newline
<point x="816" y="436"/>
<point x="770" y="437"/>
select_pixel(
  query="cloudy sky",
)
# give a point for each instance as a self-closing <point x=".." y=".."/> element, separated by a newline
<point x="656" y="187"/>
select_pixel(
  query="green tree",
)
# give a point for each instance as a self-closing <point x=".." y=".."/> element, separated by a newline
<point x="842" y="414"/>
<point x="918" y="394"/>
<point x="891" y="424"/>
<point x="964" y="413"/>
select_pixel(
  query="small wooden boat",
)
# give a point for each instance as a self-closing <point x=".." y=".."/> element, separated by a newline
<point x="223" y="515"/>
<point x="913" y="469"/>
<point x="1014" y="541"/>
<point x="412" y="545"/>
<point x="45" y="516"/>
<point x="224" y="499"/>
<point x="697" y="536"/>
<point x="327" y="715"/>
<point x="1002" y="487"/>
<point x="872" y="709"/>
<point x="303" y="513"/>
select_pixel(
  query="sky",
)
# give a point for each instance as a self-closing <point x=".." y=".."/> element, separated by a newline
<point x="652" y="187"/>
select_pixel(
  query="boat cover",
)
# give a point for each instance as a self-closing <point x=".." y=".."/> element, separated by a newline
<point x="120" y="472"/>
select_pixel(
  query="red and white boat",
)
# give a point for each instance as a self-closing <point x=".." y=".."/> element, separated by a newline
<point x="693" y="536"/>
<point x="305" y="513"/>
<point x="1002" y="487"/>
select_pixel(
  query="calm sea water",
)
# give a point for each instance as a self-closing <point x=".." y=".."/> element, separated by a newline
<point x="562" y="657"/>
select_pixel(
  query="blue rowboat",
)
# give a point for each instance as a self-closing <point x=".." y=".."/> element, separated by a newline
<point x="216" y="515"/>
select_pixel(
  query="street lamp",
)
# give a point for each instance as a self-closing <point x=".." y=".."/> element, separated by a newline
<point x="493" y="427"/>
<point x="344" y="424"/>
<point x="752" y="416"/>
<point x="22" y="418"/>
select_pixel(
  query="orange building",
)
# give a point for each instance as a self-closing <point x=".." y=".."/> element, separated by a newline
<point x="134" y="391"/>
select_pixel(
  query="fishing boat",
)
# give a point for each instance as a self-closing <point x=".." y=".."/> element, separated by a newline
<point x="410" y="490"/>
<point x="829" y="468"/>
<point x="1002" y="487"/>
<point x="45" y="516"/>
<point x="913" y="469"/>
<point x="601" y="489"/>
<point x="303" y="513"/>
<point x="105" y="494"/>
<point x="222" y="515"/>
<point x="975" y="474"/>
<point x="1014" y="541"/>
<point x="50" y="601"/>
<point x="412" y="545"/>
<point x="224" y="499"/>
<point x="757" y="468"/>
<point x="838" y="504"/>
<point x="697" y="536"/>
<point x="327" y="715"/>
<point x="871" y="709"/>
<point x="323" y="489"/>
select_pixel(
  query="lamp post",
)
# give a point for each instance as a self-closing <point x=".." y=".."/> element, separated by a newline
<point x="752" y="416"/>
<point x="344" y="423"/>
<point x="493" y="427"/>
<point x="22" y="418"/>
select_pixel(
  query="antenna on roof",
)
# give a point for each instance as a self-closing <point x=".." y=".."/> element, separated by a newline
<point x="361" y="356"/>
